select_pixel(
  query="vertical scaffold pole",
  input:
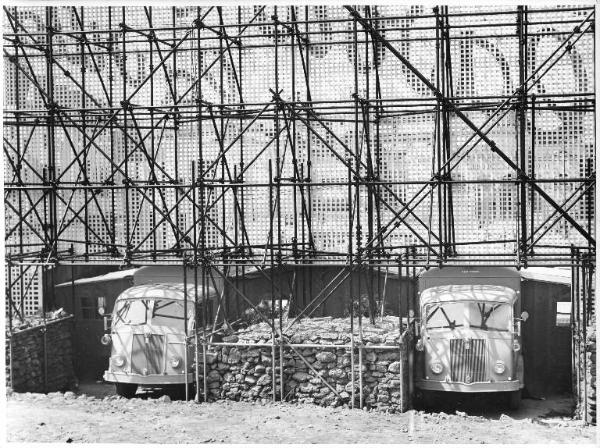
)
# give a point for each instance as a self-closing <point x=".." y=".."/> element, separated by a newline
<point x="272" y="317"/>
<point x="584" y="411"/>
<point x="124" y="105"/>
<point x="574" y="381"/>
<point x="410" y="326"/>
<point x="9" y="302"/>
<point x="185" y="329"/>
<point x="521" y="134"/>
<point x="277" y="271"/>
<point x="196" y="298"/>
<point x="350" y="287"/>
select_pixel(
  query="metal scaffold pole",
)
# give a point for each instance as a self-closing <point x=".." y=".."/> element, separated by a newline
<point x="306" y="148"/>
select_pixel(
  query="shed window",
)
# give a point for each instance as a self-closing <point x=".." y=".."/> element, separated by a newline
<point x="563" y="314"/>
<point x="88" y="308"/>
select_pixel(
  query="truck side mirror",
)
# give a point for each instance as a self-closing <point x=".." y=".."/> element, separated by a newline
<point x="524" y="316"/>
<point x="101" y="306"/>
<point x="420" y="346"/>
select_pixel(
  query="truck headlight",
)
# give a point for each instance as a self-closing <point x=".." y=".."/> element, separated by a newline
<point x="119" y="360"/>
<point x="499" y="367"/>
<point x="436" y="367"/>
<point x="175" y="362"/>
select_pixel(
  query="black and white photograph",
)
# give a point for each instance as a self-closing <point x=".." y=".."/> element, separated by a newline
<point x="299" y="222"/>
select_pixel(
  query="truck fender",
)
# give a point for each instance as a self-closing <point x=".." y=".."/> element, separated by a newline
<point x="520" y="370"/>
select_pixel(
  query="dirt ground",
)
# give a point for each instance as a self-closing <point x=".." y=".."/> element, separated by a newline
<point x="94" y="414"/>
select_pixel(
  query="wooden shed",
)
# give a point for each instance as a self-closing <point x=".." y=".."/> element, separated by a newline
<point x="80" y="298"/>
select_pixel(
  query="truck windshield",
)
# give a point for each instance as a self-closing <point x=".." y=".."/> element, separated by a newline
<point x="484" y="316"/>
<point x="168" y="313"/>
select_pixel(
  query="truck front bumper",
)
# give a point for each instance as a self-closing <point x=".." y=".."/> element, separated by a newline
<point x="497" y="386"/>
<point x="132" y="378"/>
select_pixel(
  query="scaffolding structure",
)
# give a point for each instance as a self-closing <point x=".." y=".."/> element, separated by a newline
<point x="236" y="139"/>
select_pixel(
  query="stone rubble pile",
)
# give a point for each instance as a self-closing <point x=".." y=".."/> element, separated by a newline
<point x="25" y="348"/>
<point x="37" y="319"/>
<point x="246" y="373"/>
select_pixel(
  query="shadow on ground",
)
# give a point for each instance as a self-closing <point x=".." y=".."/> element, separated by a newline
<point x="96" y="414"/>
<point x="100" y="389"/>
<point x="490" y="405"/>
<point x="495" y="405"/>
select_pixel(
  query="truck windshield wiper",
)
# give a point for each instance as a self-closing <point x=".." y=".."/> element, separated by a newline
<point x="158" y="307"/>
<point x="168" y="316"/>
<point x="452" y="327"/>
<point x="485" y="327"/>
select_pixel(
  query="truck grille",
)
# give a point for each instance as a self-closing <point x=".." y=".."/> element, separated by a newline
<point x="468" y="365"/>
<point x="147" y="355"/>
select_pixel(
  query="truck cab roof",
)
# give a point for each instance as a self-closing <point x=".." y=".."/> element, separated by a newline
<point x="167" y="290"/>
<point x="479" y="293"/>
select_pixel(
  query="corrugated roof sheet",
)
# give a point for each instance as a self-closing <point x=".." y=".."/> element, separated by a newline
<point x="550" y="275"/>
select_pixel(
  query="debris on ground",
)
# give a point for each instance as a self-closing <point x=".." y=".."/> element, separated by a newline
<point x="57" y="417"/>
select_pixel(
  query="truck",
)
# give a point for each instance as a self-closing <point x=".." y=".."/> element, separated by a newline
<point x="149" y="333"/>
<point x="468" y="329"/>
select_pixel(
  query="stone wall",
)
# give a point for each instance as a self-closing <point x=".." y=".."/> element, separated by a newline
<point x="320" y="373"/>
<point x="586" y="396"/>
<point x="25" y="348"/>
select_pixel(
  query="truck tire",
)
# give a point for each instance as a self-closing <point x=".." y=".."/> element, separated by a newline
<point x="126" y="390"/>
<point x="514" y="399"/>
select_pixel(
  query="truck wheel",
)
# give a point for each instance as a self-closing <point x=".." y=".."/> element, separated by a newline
<point x="514" y="399"/>
<point x="126" y="390"/>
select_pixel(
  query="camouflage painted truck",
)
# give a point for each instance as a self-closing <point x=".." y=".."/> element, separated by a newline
<point x="469" y="332"/>
<point x="147" y="333"/>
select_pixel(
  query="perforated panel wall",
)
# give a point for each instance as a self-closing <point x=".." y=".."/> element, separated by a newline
<point x="296" y="132"/>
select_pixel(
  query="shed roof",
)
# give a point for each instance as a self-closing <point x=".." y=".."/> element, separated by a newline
<point x="116" y="275"/>
<point x="542" y="274"/>
<point x="172" y="274"/>
<point x="550" y="275"/>
<point x="173" y="291"/>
